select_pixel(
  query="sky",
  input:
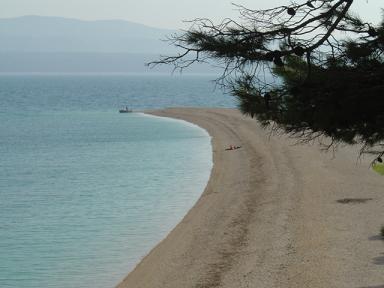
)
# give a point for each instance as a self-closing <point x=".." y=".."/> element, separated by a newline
<point x="156" y="13"/>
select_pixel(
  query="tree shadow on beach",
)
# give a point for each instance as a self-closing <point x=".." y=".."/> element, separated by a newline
<point x="376" y="237"/>
<point x="379" y="260"/>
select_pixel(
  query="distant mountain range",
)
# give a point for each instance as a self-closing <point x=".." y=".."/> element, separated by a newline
<point x="53" y="34"/>
<point x="54" y="44"/>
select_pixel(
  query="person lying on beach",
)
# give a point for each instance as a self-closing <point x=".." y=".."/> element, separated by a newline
<point x="232" y="147"/>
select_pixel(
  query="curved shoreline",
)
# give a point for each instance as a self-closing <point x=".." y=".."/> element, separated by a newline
<point x="269" y="217"/>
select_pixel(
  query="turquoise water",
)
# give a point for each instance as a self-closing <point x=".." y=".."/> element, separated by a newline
<point x="85" y="192"/>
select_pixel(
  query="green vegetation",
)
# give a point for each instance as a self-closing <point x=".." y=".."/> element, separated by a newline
<point x="378" y="167"/>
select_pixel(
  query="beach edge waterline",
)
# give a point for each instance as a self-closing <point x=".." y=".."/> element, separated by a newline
<point x="220" y="138"/>
<point x="269" y="215"/>
<point x="160" y="113"/>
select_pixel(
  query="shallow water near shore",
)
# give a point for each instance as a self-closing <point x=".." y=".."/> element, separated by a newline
<point x="85" y="192"/>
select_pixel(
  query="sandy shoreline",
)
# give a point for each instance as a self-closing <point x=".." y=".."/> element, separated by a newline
<point x="269" y="216"/>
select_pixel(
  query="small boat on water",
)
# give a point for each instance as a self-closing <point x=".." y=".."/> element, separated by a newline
<point x="125" y="110"/>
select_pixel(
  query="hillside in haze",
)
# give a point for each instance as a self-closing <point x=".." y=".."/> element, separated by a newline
<point x="53" y="44"/>
<point x="53" y="34"/>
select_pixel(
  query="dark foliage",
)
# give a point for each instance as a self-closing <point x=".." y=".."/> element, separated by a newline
<point x="331" y="64"/>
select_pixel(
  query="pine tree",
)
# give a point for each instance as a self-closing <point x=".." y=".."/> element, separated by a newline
<point x="330" y="62"/>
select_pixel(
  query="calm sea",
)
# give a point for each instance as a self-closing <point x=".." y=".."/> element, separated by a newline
<point x="86" y="192"/>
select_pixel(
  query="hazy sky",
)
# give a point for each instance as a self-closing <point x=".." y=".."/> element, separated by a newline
<point x="157" y="13"/>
